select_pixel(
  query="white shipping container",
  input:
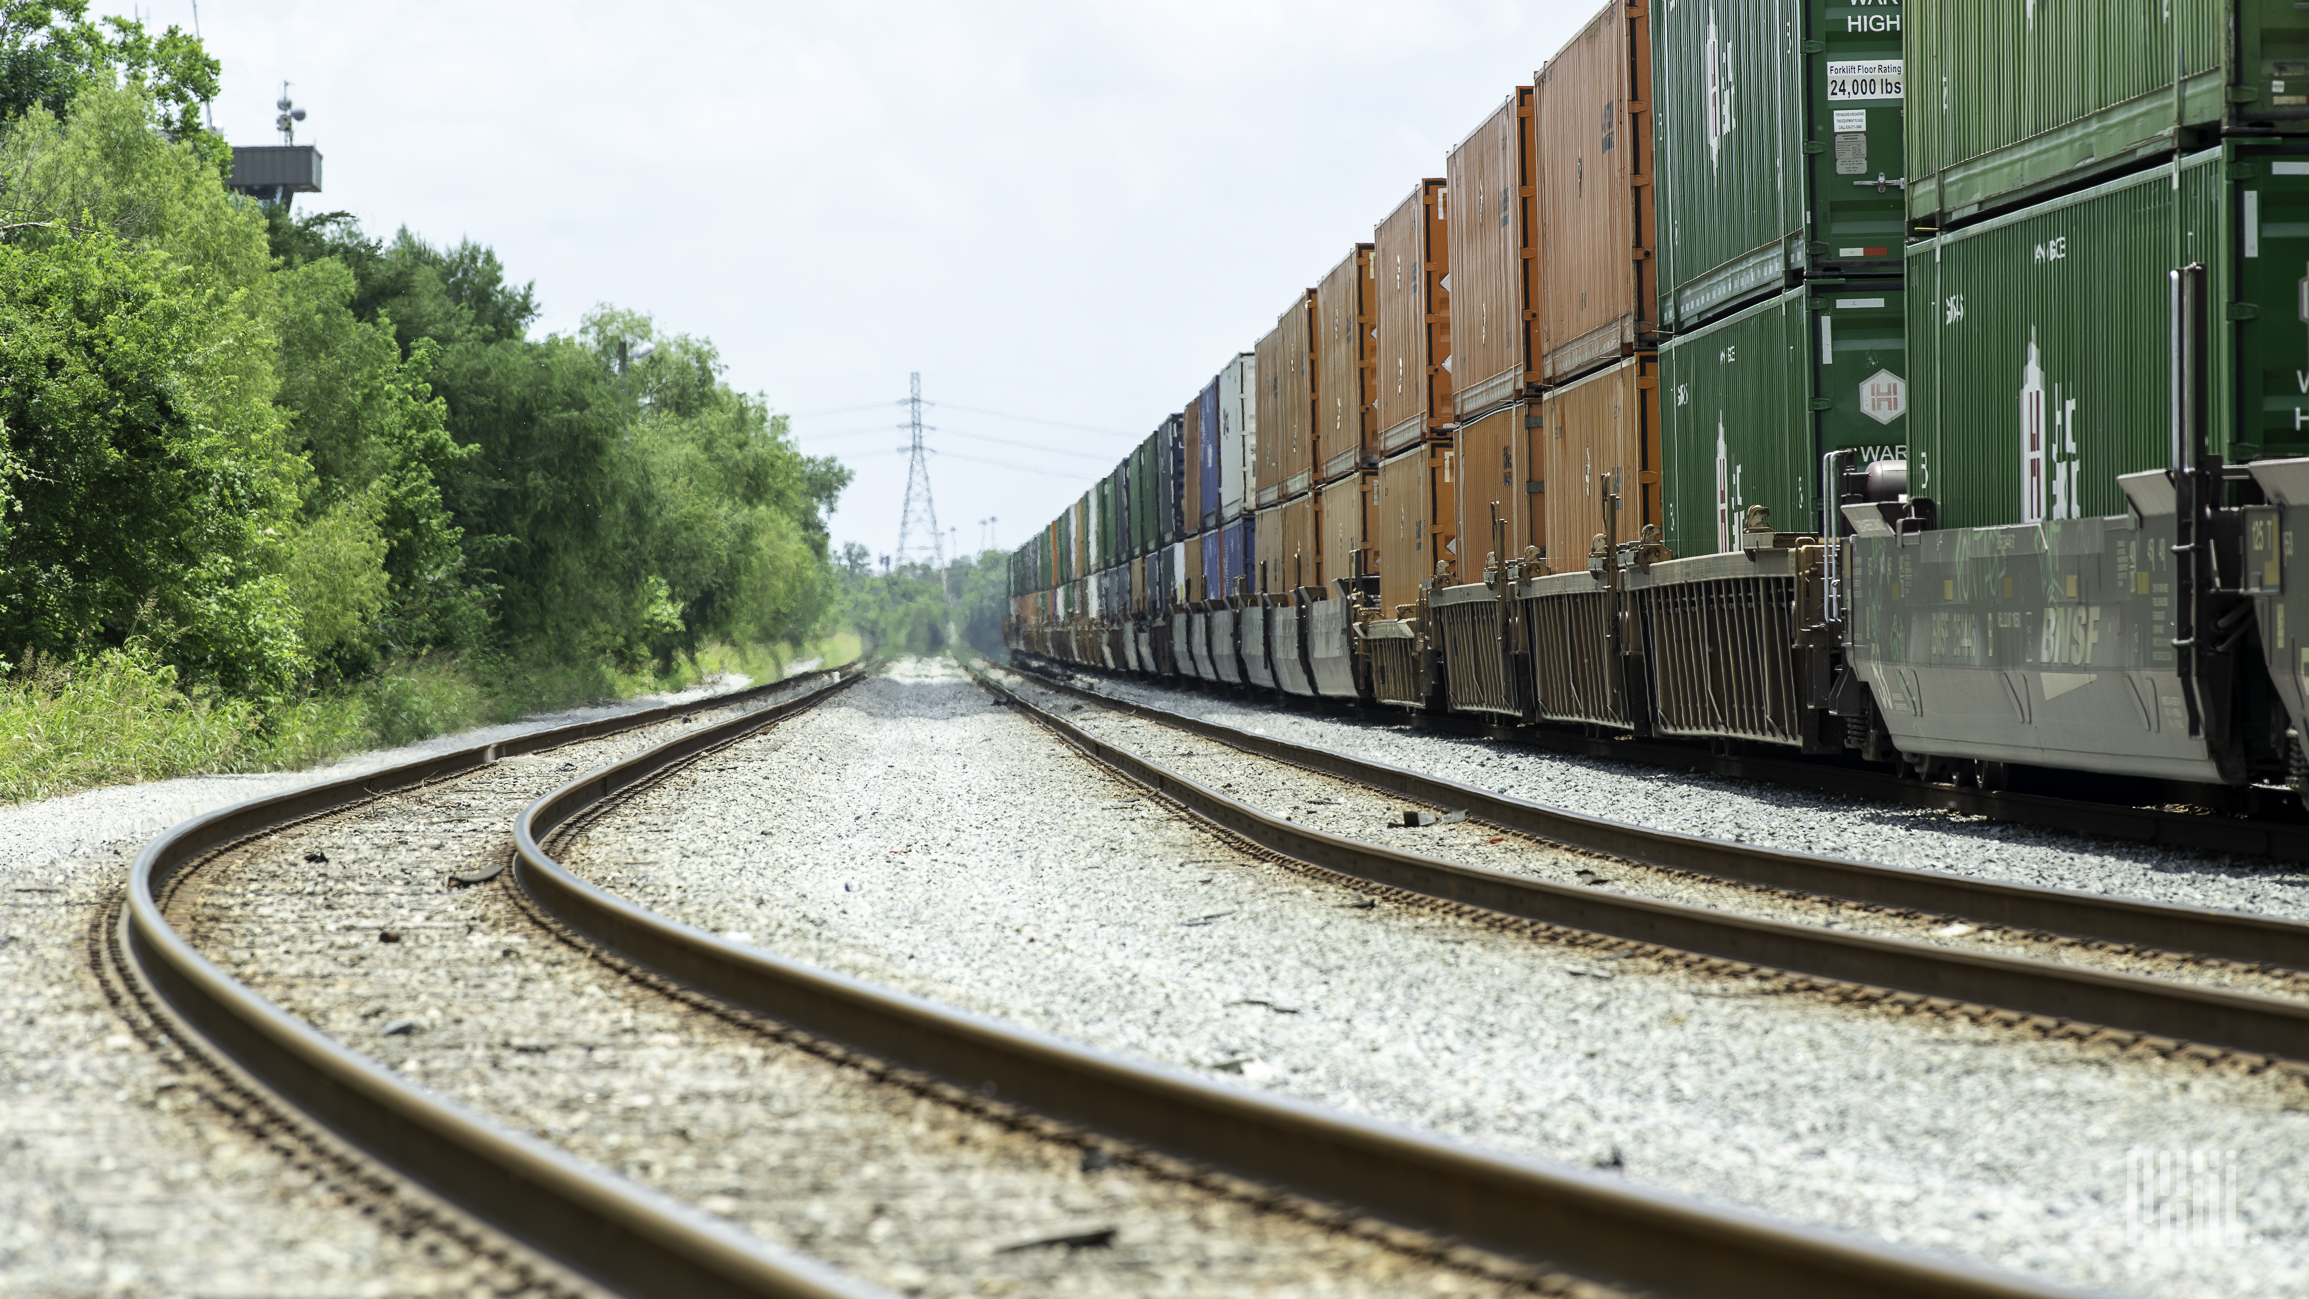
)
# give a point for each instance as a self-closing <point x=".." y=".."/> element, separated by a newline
<point x="1238" y="434"/>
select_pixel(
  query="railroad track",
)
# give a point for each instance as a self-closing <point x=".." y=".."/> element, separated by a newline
<point x="2055" y="999"/>
<point x="610" y="1233"/>
<point x="2166" y="816"/>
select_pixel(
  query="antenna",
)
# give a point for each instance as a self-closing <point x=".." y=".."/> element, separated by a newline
<point x="207" y="106"/>
<point x="286" y="123"/>
<point x="921" y="514"/>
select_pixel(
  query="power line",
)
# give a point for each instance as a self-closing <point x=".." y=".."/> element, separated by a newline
<point x="1030" y="419"/>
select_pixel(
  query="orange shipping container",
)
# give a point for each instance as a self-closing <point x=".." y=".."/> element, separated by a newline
<point x="1593" y="164"/>
<point x="1496" y="472"/>
<point x="1411" y="394"/>
<point x="1410" y="521"/>
<point x="1193" y="571"/>
<point x="1191" y="433"/>
<point x="1345" y="516"/>
<point x="1601" y="436"/>
<point x="1302" y="561"/>
<point x="1267" y="572"/>
<point x="1346" y="354"/>
<point x="1495" y="264"/>
<point x="1286" y="411"/>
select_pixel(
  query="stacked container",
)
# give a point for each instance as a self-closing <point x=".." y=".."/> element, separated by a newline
<point x="1495" y="271"/>
<point x="1780" y="265"/>
<point x="1411" y="516"/>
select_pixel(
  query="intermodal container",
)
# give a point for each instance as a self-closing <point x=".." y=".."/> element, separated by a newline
<point x="1170" y="479"/>
<point x="1300" y="549"/>
<point x="1750" y="403"/>
<point x="1267" y="573"/>
<point x="1495" y="262"/>
<point x="1206" y="499"/>
<point x="1599" y="458"/>
<point x="1238" y="554"/>
<point x="1286" y="400"/>
<point x="2012" y="102"/>
<point x="1142" y="497"/>
<point x="1412" y="516"/>
<point x="1342" y="512"/>
<point x="1191" y="581"/>
<point x="1238" y="435"/>
<point x="1191" y="442"/>
<point x="1498" y="478"/>
<point x="2042" y="336"/>
<point x="1411" y="260"/>
<point x="1777" y="126"/>
<point x="1596" y="210"/>
<point x="1346" y="355"/>
<point x="1214" y="572"/>
<point x="1118" y="514"/>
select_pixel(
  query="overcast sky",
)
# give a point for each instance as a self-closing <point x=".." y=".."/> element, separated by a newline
<point x="1066" y="217"/>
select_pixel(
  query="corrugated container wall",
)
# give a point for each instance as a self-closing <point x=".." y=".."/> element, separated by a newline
<point x="1302" y="561"/>
<point x="1267" y="456"/>
<point x="1239" y="556"/>
<point x="1497" y="473"/>
<point x="1773" y="120"/>
<point x="1191" y="446"/>
<point x="2014" y="101"/>
<point x="1142" y="498"/>
<point x="1267" y="573"/>
<point x="1238" y="435"/>
<point x="1495" y="264"/>
<point x="1343" y="516"/>
<point x="1206" y="502"/>
<point x="2042" y="337"/>
<point x="1750" y="403"/>
<point x="1601" y="439"/>
<point x="1346" y="354"/>
<point x="1215" y="584"/>
<point x="1401" y="523"/>
<point x="1410" y="262"/>
<point x="1596" y="209"/>
<point x="1287" y="395"/>
<point x="1171" y="475"/>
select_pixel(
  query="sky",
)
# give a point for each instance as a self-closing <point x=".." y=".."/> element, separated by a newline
<point x="1066" y="218"/>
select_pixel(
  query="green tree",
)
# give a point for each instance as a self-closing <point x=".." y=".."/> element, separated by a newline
<point x="136" y="382"/>
<point x="50" y="52"/>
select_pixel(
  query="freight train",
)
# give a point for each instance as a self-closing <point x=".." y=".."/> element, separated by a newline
<point x="1922" y="384"/>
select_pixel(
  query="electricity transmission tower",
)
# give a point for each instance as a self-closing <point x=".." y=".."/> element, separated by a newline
<point x="921" y="514"/>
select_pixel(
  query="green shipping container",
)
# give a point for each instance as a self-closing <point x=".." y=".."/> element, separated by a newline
<point x="2012" y="101"/>
<point x="2043" y="345"/>
<point x="1775" y="122"/>
<point x="1749" y="404"/>
<point x="1142" y="498"/>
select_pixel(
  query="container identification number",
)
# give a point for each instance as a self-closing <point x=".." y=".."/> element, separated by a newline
<point x="1864" y="79"/>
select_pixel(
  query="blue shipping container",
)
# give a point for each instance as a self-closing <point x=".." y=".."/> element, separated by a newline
<point x="1207" y="419"/>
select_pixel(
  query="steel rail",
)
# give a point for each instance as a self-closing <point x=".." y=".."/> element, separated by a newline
<point x="2172" y="927"/>
<point x="624" y="1237"/>
<point x="2186" y="1013"/>
<point x="1583" y="1222"/>
<point x="2283" y="840"/>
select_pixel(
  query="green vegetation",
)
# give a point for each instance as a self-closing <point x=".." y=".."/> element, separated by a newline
<point x="273" y="489"/>
<point x="917" y="610"/>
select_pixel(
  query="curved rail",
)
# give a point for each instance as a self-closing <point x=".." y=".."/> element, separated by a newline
<point x="1579" y="1221"/>
<point x="624" y="1237"/>
<point x="2227" y="935"/>
<point x="2234" y="1021"/>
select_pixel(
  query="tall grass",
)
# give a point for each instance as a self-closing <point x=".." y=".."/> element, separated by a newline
<point x="122" y="715"/>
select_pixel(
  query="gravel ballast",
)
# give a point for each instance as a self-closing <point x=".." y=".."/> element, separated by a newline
<point x="119" y="1174"/>
<point x="350" y="923"/>
<point x="1343" y="808"/>
<point x="1762" y="813"/>
<point x="915" y="834"/>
